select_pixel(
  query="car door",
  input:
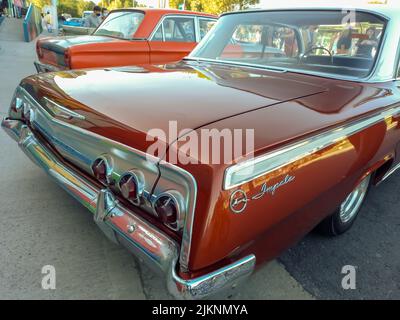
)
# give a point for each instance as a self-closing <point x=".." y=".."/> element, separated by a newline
<point x="174" y="38"/>
<point x="205" y="25"/>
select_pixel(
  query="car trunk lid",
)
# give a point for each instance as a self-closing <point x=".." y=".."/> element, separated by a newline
<point x="52" y="50"/>
<point x="167" y="98"/>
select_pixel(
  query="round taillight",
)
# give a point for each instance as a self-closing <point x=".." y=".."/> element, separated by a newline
<point x="17" y="107"/>
<point x="167" y="209"/>
<point x="19" y="104"/>
<point x="26" y="112"/>
<point x="129" y="187"/>
<point x="99" y="169"/>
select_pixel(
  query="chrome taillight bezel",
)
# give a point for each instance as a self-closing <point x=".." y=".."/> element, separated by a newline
<point x="137" y="178"/>
<point x="108" y="164"/>
<point x="177" y="198"/>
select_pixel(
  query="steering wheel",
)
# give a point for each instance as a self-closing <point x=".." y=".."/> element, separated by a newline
<point x="305" y="54"/>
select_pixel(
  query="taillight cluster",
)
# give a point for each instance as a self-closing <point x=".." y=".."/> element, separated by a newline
<point x="27" y="113"/>
<point x="17" y="106"/>
<point x="167" y="209"/>
<point x="22" y="110"/>
<point x="167" y="206"/>
<point x="100" y="170"/>
<point x="131" y="185"/>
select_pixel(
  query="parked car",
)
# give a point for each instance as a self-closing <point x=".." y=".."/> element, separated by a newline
<point x="126" y="37"/>
<point x="321" y="128"/>
<point x="87" y="13"/>
<point x="74" y="22"/>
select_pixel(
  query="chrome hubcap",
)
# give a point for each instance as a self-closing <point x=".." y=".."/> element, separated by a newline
<point x="352" y="204"/>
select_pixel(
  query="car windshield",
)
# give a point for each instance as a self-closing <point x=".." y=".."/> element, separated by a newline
<point x="317" y="42"/>
<point x="120" y="24"/>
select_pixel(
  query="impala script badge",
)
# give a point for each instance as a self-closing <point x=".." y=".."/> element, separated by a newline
<point x="239" y="198"/>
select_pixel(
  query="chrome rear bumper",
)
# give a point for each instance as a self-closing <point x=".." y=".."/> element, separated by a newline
<point x="123" y="226"/>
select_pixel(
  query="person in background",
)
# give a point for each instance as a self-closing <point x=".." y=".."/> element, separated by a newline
<point x="311" y="34"/>
<point x="4" y="6"/>
<point x="18" y="8"/>
<point x="93" y="20"/>
<point x="345" y="42"/>
<point x="366" y="47"/>
<point x="48" y="22"/>
<point x="61" y="20"/>
<point x="104" y="13"/>
<point x="42" y="20"/>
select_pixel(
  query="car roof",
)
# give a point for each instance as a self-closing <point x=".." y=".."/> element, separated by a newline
<point x="387" y="11"/>
<point x="168" y="11"/>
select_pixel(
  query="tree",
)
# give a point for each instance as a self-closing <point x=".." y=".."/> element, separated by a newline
<point x="215" y="6"/>
<point x="40" y="3"/>
<point x="68" y="6"/>
<point x="84" y="6"/>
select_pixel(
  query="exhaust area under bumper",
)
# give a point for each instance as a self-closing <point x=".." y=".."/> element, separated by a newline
<point x="123" y="226"/>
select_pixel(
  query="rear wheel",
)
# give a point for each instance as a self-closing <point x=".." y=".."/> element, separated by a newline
<point x="344" y="217"/>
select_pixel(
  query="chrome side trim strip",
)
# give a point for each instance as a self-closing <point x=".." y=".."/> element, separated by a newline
<point x="124" y="226"/>
<point x="390" y="172"/>
<point x="254" y="168"/>
<point x="58" y="110"/>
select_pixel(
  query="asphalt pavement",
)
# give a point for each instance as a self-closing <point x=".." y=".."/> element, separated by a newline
<point x="42" y="225"/>
<point x="372" y="246"/>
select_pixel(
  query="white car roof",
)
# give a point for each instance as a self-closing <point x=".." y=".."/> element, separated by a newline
<point x="388" y="11"/>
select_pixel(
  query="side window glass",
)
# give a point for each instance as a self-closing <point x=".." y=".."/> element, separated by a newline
<point x="158" y="36"/>
<point x="179" y="29"/>
<point x="205" y="26"/>
<point x="398" y="72"/>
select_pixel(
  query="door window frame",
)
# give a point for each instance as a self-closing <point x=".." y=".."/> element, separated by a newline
<point x="199" y="18"/>
<point x="196" y="24"/>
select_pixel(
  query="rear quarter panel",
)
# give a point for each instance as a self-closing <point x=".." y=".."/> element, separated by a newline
<point x="321" y="182"/>
<point x="164" y="52"/>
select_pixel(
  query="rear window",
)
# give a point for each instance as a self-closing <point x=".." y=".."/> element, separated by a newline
<point x="310" y="41"/>
<point x="120" y="24"/>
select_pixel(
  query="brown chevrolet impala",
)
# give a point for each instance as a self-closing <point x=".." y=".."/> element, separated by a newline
<point x="278" y="123"/>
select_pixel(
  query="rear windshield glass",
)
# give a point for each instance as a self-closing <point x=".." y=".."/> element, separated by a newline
<point x="331" y="42"/>
<point x="120" y="24"/>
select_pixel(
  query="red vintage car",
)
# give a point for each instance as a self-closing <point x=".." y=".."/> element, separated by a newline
<point x="127" y="37"/>
<point x="207" y="168"/>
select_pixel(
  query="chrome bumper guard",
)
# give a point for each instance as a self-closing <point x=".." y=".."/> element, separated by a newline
<point x="41" y="67"/>
<point x="125" y="227"/>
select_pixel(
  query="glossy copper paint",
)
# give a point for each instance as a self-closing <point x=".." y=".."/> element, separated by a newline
<point x="280" y="107"/>
<point x="98" y="51"/>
